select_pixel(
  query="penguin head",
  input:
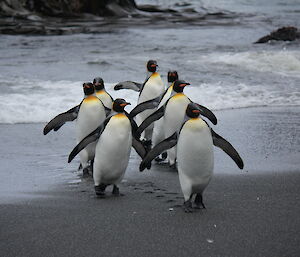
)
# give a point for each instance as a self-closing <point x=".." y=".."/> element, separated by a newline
<point x="179" y="85"/>
<point x="172" y="76"/>
<point x="119" y="105"/>
<point x="192" y="110"/>
<point x="88" y="88"/>
<point x="151" y="66"/>
<point x="98" y="83"/>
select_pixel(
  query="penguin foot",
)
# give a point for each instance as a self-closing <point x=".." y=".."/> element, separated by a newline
<point x="116" y="191"/>
<point x="187" y="206"/>
<point x="173" y="166"/>
<point x="85" y="172"/>
<point x="99" y="190"/>
<point x="158" y="159"/>
<point x="147" y="144"/>
<point x="162" y="158"/>
<point x="91" y="167"/>
<point x="199" y="202"/>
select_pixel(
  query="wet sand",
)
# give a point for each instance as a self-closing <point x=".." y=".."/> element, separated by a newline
<point x="47" y="209"/>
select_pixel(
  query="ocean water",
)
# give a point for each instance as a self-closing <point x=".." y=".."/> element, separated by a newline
<point x="210" y="45"/>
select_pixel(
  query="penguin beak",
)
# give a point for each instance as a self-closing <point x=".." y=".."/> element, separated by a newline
<point x="154" y="65"/>
<point x="196" y="111"/>
<point x="124" y="104"/>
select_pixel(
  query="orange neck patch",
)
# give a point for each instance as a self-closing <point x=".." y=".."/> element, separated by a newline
<point x="100" y="92"/>
<point x="178" y="95"/>
<point x="91" y="98"/>
<point x="120" y="115"/>
<point x="155" y="74"/>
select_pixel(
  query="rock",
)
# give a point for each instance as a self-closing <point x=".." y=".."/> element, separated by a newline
<point x="20" y="16"/>
<point x="66" y="8"/>
<point x="153" y="8"/>
<point x="284" y="34"/>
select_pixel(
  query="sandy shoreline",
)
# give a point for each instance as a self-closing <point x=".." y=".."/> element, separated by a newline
<point x="48" y="210"/>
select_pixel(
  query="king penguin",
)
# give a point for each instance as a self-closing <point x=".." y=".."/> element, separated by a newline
<point x="90" y="115"/>
<point x="195" y="158"/>
<point x="195" y="155"/>
<point x="174" y="115"/>
<point x="58" y="121"/>
<point x="158" y="130"/>
<point x="173" y="112"/>
<point x="113" y="148"/>
<point x="158" y="101"/>
<point x="101" y="93"/>
<point x="152" y="88"/>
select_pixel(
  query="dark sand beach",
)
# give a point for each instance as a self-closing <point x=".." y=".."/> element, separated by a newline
<point x="48" y="209"/>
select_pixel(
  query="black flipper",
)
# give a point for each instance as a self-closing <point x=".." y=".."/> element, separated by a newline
<point x="139" y="147"/>
<point x="157" y="150"/>
<point x="93" y="136"/>
<point x="57" y="128"/>
<point x="129" y="85"/>
<point x="208" y="114"/>
<point x="227" y="148"/>
<point x="142" y="87"/>
<point x="57" y="122"/>
<point x="107" y="110"/>
<point x="150" y="119"/>
<point x="150" y="104"/>
<point x="134" y="126"/>
<point x="109" y="96"/>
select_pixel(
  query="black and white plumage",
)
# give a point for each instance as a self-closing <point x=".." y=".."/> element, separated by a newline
<point x="114" y="137"/>
<point x="195" y="155"/>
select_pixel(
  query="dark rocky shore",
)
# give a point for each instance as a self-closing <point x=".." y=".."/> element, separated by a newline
<point x="281" y="34"/>
<point x="56" y="17"/>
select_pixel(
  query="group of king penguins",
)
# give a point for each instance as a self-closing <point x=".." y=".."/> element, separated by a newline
<point x="165" y="125"/>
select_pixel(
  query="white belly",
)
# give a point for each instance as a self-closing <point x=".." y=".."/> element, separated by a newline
<point x="174" y="113"/>
<point x="195" y="157"/>
<point x="112" y="152"/>
<point x="153" y="88"/>
<point x="166" y="97"/>
<point x="173" y="119"/>
<point x="91" y="114"/>
<point x="158" y="131"/>
<point x="105" y="98"/>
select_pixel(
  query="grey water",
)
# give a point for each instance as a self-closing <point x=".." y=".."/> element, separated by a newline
<point x="210" y="44"/>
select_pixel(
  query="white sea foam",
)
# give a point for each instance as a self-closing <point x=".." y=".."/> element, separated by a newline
<point x="40" y="101"/>
<point x="221" y="96"/>
<point x="286" y="63"/>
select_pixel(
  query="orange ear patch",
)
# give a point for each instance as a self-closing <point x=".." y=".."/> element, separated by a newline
<point x="183" y="85"/>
